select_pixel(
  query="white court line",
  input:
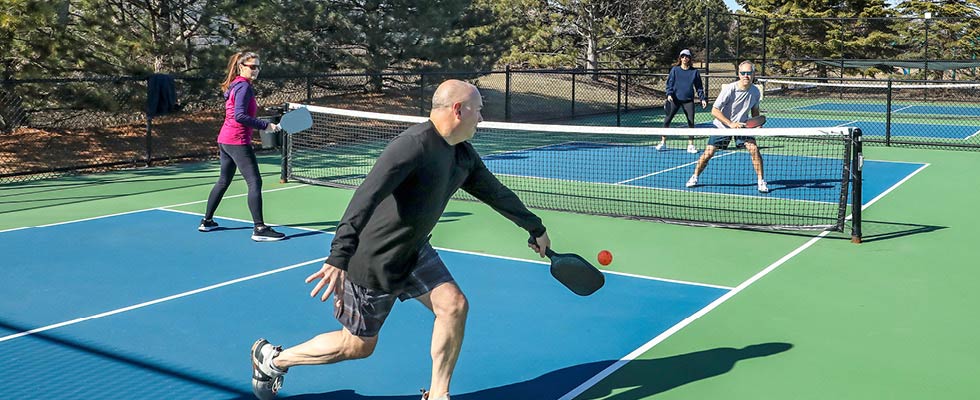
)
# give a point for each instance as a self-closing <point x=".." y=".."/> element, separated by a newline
<point x="146" y="209"/>
<point x="575" y="392"/>
<point x="687" y="321"/>
<point x="603" y="270"/>
<point x="893" y="187"/>
<point x="671" y="169"/>
<point x="474" y="253"/>
<point x="160" y="300"/>
<point x="275" y="271"/>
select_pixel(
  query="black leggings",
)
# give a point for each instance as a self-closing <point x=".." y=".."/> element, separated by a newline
<point x="242" y="157"/>
<point x="671" y="108"/>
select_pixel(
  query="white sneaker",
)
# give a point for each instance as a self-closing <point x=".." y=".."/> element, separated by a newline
<point x="661" y="146"/>
<point x="266" y="380"/>
<point x="692" y="182"/>
<point x="691" y="149"/>
<point x="425" y="396"/>
<point x="763" y="188"/>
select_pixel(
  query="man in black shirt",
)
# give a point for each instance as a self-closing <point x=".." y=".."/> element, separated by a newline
<point x="381" y="249"/>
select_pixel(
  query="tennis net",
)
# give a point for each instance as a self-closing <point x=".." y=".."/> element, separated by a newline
<point x="613" y="171"/>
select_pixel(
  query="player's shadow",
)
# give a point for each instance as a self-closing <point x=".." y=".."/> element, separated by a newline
<point x="784" y="184"/>
<point x="453" y="216"/>
<point x="230" y="228"/>
<point x="639" y="378"/>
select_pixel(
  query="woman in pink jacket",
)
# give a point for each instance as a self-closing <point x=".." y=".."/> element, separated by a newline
<point x="235" y="144"/>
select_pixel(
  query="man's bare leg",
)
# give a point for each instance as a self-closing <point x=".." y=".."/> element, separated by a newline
<point x="450" y="307"/>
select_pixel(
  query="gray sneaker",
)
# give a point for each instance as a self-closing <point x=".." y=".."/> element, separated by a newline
<point x="266" y="380"/>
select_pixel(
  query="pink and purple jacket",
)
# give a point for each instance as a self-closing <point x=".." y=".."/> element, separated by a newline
<point x="240" y="111"/>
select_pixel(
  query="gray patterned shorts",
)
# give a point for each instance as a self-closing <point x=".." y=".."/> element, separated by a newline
<point x="364" y="310"/>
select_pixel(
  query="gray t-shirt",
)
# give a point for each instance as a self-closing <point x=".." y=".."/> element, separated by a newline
<point x="737" y="104"/>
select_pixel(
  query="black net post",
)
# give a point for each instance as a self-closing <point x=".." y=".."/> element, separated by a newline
<point x="284" y="148"/>
<point x="857" y="164"/>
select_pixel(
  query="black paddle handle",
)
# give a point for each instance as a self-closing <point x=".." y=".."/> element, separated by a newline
<point x="547" y="251"/>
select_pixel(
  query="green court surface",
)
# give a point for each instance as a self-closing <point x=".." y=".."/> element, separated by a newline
<point x="809" y="318"/>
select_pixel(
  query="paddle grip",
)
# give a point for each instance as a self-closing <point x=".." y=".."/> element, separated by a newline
<point x="547" y="251"/>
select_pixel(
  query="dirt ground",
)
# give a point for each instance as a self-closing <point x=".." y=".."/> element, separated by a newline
<point x="28" y="153"/>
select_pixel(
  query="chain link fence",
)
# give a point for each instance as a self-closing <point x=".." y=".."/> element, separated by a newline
<point x="51" y="127"/>
<point x="920" y="114"/>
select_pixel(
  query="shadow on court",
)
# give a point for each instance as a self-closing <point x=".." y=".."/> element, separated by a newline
<point x="84" y="354"/>
<point x="873" y="231"/>
<point x="644" y="377"/>
<point x="453" y="216"/>
<point x="111" y="188"/>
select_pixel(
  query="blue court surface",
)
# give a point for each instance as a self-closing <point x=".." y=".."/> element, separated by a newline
<point x="937" y="111"/>
<point x="878" y="129"/>
<point x="142" y="306"/>
<point x="801" y="178"/>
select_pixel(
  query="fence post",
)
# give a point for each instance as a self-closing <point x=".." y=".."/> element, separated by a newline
<point x="619" y="97"/>
<point x="626" y="92"/>
<point x="707" y="50"/>
<point x="422" y="93"/>
<point x="149" y="141"/>
<point x="507" y="93"/>
<point x="574" y="78"/>
<point x="309" y="89"/>
<point x="765" y="34"/>
<point x="888" y="114"/>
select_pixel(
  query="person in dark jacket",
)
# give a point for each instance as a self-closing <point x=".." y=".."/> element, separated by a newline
<point x="682" y="82"/>
<point x="235" y="144"/>
<point x="381" y="249"/>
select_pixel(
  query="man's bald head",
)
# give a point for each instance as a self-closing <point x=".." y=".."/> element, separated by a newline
<point x="452" y="91"/>
<point x="455" y="110"/>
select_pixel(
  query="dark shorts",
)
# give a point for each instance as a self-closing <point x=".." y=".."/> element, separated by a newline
<point x="365" y="309"/>
<point x="722" y="142"/>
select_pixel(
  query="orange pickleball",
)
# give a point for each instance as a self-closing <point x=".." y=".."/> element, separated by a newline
<point x="605" y="257"/>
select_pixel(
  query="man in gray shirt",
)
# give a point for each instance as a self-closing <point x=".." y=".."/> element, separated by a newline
<point x="737" y="102"/>
<point x="381" y="249"/>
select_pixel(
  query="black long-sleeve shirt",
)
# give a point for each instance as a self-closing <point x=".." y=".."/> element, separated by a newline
<point x="402" y="199"/>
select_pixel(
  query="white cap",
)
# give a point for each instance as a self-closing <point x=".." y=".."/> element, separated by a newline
<point x="685" y="52"/>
